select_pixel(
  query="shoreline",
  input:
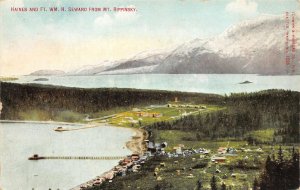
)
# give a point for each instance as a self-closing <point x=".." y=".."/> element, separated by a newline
<point x="136" y="144"/>
<point x="42" y="122"/>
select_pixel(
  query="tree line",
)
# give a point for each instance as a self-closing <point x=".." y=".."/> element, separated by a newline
<point x="23" y="97"/>
<point x="277" y="109"/>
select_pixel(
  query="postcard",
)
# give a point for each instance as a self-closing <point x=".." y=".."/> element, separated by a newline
<point x="136" y="94"/>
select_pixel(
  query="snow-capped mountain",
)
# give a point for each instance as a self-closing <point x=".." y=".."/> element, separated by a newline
<point x="144" y="62"/>
<point x="253" y="46"/>
<point x="94" y="69"/>
<point x="47" y="72"/>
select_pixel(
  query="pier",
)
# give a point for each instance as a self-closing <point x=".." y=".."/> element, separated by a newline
<point x="36" y="157"/>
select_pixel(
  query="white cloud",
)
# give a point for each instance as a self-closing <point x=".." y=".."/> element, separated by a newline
<point x="118" y="18"/>
<point x="125" y="17"/>
<point x="15" y="3"/>
<point x="104" y="20"/>
<point x="243" y="7"/>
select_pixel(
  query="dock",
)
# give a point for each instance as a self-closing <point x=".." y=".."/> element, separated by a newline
<point x="84" y="157"/>
<point x="36" y="157"/>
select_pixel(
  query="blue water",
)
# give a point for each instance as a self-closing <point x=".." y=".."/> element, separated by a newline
<point x="21" y="140"/>
<point x="207" y="83"/>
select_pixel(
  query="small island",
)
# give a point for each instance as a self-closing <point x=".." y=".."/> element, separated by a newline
<point x="41" y="79"/>
<point x="246" y="82"/>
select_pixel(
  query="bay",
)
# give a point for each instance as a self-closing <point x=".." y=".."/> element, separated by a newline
<point x="18" y="141"/>
<point x="206" y="83"/>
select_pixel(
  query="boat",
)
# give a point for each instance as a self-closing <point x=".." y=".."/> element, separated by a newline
<point x="60" y="129"/>
<point x="36" y="157"/>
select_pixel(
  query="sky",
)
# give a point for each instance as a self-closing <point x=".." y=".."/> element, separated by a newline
<point x="67" y="40"/>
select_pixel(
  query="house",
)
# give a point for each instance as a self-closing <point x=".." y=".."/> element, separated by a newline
<point x="222" y="150"/>
<point x="125" y="162"/>
<point x="135" y="157"/>
<point x="218" y="159"/>
<point x="148" y="114"/>
<point x="109" y="175"/>
<point x="136" y="109"/>
<point x="156" y="115"/>
<point x="164" y="144"/>
<point x="147" y="154"/>
<point x="156" y="147"/>
<point x="151" y="147"/>
<point x="136" y="168"/>
<point x="231" y="151"/>
<point x="177" y="150"/>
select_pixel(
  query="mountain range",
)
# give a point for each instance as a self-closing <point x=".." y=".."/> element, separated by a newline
<point x="250" y="47"/>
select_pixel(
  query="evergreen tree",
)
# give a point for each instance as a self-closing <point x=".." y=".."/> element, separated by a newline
<point x="255" y="184"/>
<point x="199" y="184"/>
<point x="223" y="186"/>
<point x="213" y="183"/>
<point x="280" y="174"/>
<point x="280" y="155"/>
<point x="268" y="164"/>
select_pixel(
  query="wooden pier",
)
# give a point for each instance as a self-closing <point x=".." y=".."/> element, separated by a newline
<point x="76" y="157"/>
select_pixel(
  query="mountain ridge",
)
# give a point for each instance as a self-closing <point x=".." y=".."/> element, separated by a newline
<point x="250" y="47"/>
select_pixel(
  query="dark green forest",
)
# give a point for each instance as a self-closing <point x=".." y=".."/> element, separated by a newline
<point x="275" y="109"/>
<point x="25" y="97"/>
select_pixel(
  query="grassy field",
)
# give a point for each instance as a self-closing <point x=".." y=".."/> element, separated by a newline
<point x="262" y="136"/>
<point x="122" y="116"/>
<point x="131" y="118"/>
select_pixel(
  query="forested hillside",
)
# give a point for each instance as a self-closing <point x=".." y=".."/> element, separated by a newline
<point x="272" y="109"/>
<point x="20" y="98"/>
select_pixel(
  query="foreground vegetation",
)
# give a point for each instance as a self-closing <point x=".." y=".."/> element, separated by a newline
<point x="254" y="124"/>
<point x="187" y="172"/>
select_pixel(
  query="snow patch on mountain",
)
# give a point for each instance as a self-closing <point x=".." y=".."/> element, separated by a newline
<point x="137" y="70"/>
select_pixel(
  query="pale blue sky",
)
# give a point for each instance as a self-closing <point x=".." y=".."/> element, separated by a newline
<point x="66" y="40"/>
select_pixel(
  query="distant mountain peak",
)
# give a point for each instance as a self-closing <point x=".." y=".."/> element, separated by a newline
<point x="47" y="72"/>
<point x="254" y="46"/>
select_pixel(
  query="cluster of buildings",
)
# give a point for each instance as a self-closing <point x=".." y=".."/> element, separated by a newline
<point x="131" y="163"/>
<point x="134" y="162"/>
<point x="139" y="113"/>
<point x="185" y="106"/>
<point x="148" y="114"/>
<point x="178" y="151"/>
<point x="222" y="153"/>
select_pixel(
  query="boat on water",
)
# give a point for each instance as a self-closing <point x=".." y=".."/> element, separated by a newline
<point x="36" y="157"/>
<point x="60" y="129"/>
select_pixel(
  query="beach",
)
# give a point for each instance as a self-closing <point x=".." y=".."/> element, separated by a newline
<point x="136" y="144"/>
